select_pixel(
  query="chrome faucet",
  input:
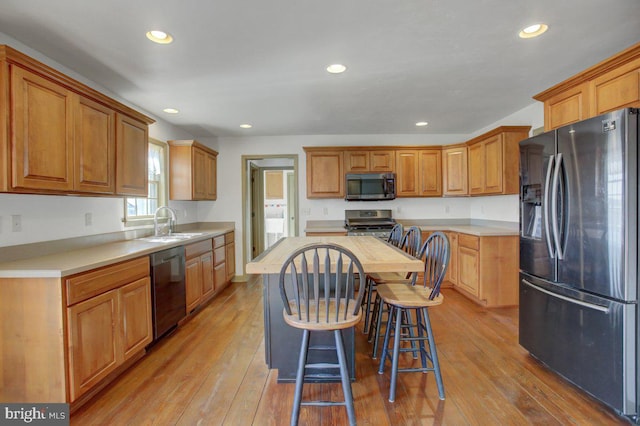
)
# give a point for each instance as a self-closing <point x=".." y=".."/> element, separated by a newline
<point x="173" y="220"/>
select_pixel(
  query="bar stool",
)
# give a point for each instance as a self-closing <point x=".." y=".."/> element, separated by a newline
<point x="320" y="294"/>
<point x="404" y="298"/>
<point x="410" y="243"/>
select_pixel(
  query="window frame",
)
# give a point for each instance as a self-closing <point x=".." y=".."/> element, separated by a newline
<point x="163" y="191"/>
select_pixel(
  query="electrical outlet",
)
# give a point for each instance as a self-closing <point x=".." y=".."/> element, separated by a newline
<point x="16" y="223"/>
<point x="88" y="219"/>
<point x="0" y="224"/>
<point x="325" y="211"/>
<point x="447" y="209"/>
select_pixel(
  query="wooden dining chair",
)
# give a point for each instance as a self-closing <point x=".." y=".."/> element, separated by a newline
<point x="402" y="298"/>
<point x="410" y="243"/>
<point x="320" y="294"/>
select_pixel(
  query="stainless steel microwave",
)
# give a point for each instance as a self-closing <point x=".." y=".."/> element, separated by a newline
<point x="370" y="186"/>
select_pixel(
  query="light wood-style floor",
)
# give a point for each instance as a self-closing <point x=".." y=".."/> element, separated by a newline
<point x="211" y="371"/>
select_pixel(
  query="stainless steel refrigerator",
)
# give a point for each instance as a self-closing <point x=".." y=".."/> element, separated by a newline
<point x="579" y="255"/>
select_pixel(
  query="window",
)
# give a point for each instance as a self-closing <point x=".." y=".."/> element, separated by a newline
<point x="139" y="210"/>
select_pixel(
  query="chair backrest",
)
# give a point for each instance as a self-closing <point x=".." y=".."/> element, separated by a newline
<point x="435" y="254"/>
<point x="395" y="237"/>
<point x="318" y="284"/>
<point x="411" y="241"/>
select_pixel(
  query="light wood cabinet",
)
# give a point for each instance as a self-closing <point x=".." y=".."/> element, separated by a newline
<point x="325" y="173"/>
<point x="609" y="85"/>
<point x="132" y="152"/>
<point x="452" y="271"/>
<point x="488" y="269"/>
<point x="192" y="171"/>
<point x="108" y="321"/>
<point x="419" y="172"/>
<point x="199" y="278"/>
<point x="230" y="255"/>
<point x="369" y="161"/>
<point x="494" y="161"/>
<point x="454" y="171"/>
<point x="220" y="261"/>
<point x="62" y="137"/>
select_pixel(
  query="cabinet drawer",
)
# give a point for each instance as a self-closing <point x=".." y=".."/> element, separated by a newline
<point x="229" y="237"/>
<point x="88" y="284"/>
<point x="218" y="241"/>
<point x="198" y="248"/>
<point x="469" y="241"/>
<point x="219" y="255"/>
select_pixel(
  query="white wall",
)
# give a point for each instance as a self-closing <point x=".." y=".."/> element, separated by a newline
<point x="50" y="217"/>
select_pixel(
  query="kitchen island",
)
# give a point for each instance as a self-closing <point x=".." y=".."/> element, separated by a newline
<point x="282" y="342"/>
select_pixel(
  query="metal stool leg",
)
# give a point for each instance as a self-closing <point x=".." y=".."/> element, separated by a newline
<point x="396" y="353"/>
<point x="302" y="361"/>
<point x="385" y="344"/>
<point x="344" y="377"/>
<point x="379" y="307"/>
<point x="434" y="353"/>
<point x="367" y="305"/>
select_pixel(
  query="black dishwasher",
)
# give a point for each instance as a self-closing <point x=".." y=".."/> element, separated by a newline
<point x="167" y="290"/>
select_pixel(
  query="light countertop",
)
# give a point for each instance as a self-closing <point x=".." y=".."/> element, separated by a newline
<point x="80" y="260"/>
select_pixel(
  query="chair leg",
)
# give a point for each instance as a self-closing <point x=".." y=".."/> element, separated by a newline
<point x="378" y="309"/>
<point x="385" y="343"/>
<point x="344" y="376"/>
<point x="420" y="329"/>
<point x="367" y="308"/>
<point x="302" y="361"/>
<point x="396" y="353"/>
<point x="434" y="353"/>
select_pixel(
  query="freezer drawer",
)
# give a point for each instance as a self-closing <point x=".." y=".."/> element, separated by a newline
<point x="587" y="339"/>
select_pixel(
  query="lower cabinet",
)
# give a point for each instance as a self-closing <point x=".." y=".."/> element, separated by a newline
<point x="199" y="279"/>
<point x="108" y="321"/>
<point x="487" y="269"/>
<point x="230" y="256"/>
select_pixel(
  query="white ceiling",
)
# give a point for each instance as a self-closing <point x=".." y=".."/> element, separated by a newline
<point x="457" y="64"/>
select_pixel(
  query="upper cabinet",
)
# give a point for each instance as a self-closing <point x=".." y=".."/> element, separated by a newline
<point x="494" y="161"/>
<point x="59" y="136"/>
<point x="192" y="171"/>
<point x="609" y="85"/>
<point x="419" y="172"/>
<point x="454" y="171"/>
<point x="369" y="161"/>
<point x="325" y="172"/>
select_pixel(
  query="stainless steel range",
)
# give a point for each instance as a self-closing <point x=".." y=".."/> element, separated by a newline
<point x="377" y="223"/>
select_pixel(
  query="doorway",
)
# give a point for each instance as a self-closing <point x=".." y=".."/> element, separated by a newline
<point x="269" y="201"/>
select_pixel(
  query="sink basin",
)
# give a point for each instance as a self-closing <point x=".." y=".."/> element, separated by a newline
<point x="171" y="238"/>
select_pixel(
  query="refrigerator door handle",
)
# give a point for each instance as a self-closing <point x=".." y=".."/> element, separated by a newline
<point x="554" y="207"/>
<point x="545" y="210"/>
<point x="568" y="299"/>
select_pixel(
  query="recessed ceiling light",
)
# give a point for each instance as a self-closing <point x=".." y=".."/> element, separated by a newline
<point x="421" y="123"/>
<point x="533" y="31"/>
<point x="246" y="126"/>
<point x="160" y="37"/>
<point x="336" y="68"/>
<point x="171" y="110"/>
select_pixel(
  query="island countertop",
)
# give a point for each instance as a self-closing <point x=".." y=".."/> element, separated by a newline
<point x="374" y="254"/>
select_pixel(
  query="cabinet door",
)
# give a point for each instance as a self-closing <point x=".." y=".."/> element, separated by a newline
<point x="454" y="173"/>
<point x="42" y="133"/>
<point x="206" y="264"/>
<point x="230" y="260"/>
<point x="93" y="341"/>
<point x="356" y="161"/>
<point x="135" y="314"/>
<point x="468" y="272"/>
<point x="476" y="168"/>
<point x="382" y="161"/>
<point x="493" y="172"/>
<point x="132" y="139"/>
<point x="567" y="107"/>
<point x="199" y="170"/>
<point x="407" y="164"/>
<point x="452" y="270"/>
<point x="430" y="172"/>
<point x="211" y="167"/>
<point x="193" y="283"/>
<point x="95" y="147"/>
<point x="325" y="177"/>
<point x="618" y="88"/>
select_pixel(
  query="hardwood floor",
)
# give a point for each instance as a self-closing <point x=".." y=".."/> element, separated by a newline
<point x="211" y="371"/>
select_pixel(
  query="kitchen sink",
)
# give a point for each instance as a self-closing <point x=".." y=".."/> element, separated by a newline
<point x="171" y="238"/>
